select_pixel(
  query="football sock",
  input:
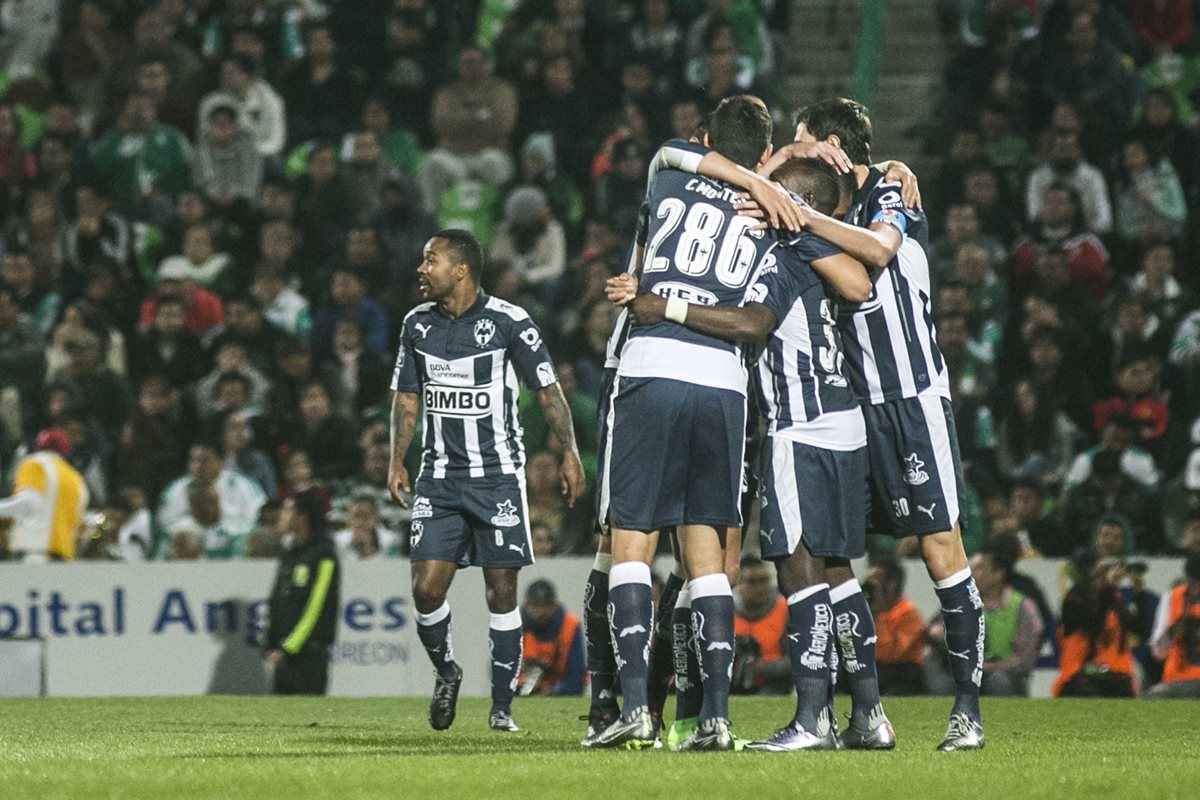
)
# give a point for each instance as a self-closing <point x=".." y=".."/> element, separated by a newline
<point x="689" y="691"/>
<point x="631" y="615"/>
<point x="434" y="630"/>
<point x="809" y="630"/>
<point x="658" y="679"/>
<point x="712" y="618"/>
<point x="962" y="615"/>
<point x="600" y="661"/>
<point x="855" y="629"/>
<point x="504" y="640"/>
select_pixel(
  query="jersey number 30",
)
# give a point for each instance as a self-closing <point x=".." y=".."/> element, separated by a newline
<point x="698" y="242"/>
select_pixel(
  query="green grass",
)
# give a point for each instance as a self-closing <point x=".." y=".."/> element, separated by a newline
<point x="223" y="747"/>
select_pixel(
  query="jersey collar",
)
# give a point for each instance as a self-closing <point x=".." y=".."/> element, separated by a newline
<point x="481" y="300"/>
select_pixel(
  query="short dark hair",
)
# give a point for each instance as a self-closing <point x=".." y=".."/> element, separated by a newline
<point x="740" y="129"/>
<point x="311" y="505"/>
<point x="812" y="179"/>
<point x="843" y="118"/>
<point x="893" y="570"/>
<point x="1004" y="550"/>
<point x="223" y="110"/>
<point x="464" y="249"/>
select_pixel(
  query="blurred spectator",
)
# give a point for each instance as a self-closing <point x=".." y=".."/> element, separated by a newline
<point x="1034" y="439"/>
<point x="237" y="497"/>
<point x="370" y="480"/>
<point x="553" y="653"/>
<point x="403" y="227"/>
<point x="1059" y="224"/>
<point x="1094" y="655"/>
<point x="230" y="359"/>
<point x="228" y="165"/>
<point x="238" y="450"/>
<point x="1149" y="197"/>
<point x="1106" y="490"/>
<point x="90" y="53"/>
<point x="1064" y="164"/>
<point x="266" y="540"/>
<point x="245" y="325"/>
<point x="1118" y="435"/>
<point x="530" y="245"/>
<point x="204" y="521"/>
<point x="559" y="108"/>
<point x="321" y="95"/>
<point x="572" y="526"/>
<point x="167" y="348"/>
<point x="1035" y="531"/>
<point x="21" y="359"/>
<point x="1112" y="537"/>
<point x="619" y="192"/>
<point x="1134" y="331"/>
<point x="1156" y="281"/>
<point x="539" y="168"/>
<point x="204" y="312"/>
<point x="761" y="664"/>
<point x="37" y="303"/>
<point x="364" y="538"/>
<point x="348" y="299"/>
<point x="324" y="209"/>
<point x="1181" y="500"/>
<point x="259" y="108"/>
<point x="144" y="162"/>
<point x="1163" y="132"/>
<point x="103" y="392"/>
<point x="154" y="440"/>
<point x="325" y="434"/>
<point x="96" y="236"/>
<point x="472" y="119"/>
<point x="1089" y="72"/>
<point x="962" y="228"/>
<point x="900" y="649"/>
<point x="658" y="40"/>
<point x="363" y="375"/>
<point x="1136" y="393"/>
<point x="1176" y="637"/>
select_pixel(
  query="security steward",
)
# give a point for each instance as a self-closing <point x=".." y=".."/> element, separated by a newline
<point x="305" y="601"/>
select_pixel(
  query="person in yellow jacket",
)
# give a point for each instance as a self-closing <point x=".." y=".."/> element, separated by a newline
<point x="48" y="501"/>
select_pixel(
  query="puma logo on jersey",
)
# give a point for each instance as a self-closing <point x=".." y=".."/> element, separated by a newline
<point x="519" y="548"/>
<point x="630" y="630"/>
<point x="508" y="665"/>
<point x="422" y="329"/>
<point x="925" y="510"/>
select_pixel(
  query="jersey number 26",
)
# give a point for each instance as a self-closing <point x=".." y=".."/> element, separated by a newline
<point x="698" y="242"/>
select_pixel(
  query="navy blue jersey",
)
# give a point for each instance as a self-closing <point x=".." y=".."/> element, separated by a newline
<point x="465" y="371"/>
<point x="890" y="339"/>
<point x="697" y="249"/>
<point x="802" y="389"/>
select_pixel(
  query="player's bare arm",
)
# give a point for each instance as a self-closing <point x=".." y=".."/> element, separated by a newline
<point x="875" y="246"/>
<point x="846" y="275"/>
<point x="829" y="153"/>
<point x="752" y="322"/>
<point x="558" y="419"/>
<point x="405" y="406"/>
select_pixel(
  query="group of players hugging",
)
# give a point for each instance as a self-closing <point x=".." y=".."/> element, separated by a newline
<point x="796" y="279"/>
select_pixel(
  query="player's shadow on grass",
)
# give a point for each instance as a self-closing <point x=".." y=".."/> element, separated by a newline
<point x="239" y="668"/>
<point x="349" y="746"/>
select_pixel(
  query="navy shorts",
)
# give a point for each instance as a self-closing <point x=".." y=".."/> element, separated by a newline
<point x="603" y="454"/>
<point x="481" y="522"/>
<point x="815" y="496"/>
<point x="676" y="455"/>
<point x="916" y="471"/>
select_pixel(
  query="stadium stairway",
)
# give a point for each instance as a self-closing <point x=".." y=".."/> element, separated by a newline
<point x="821" y="61"/>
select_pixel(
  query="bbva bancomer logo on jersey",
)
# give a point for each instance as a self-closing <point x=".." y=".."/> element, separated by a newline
<point x="53" y="614"/>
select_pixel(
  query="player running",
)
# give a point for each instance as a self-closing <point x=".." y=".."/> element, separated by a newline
<point x="460" y="356"/>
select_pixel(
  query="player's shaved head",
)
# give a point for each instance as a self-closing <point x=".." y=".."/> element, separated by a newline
<point x="740" y="129"/>
<point x="843" y="118"/>
<point x="813" y="180"/>
<point x="463" y="248"/>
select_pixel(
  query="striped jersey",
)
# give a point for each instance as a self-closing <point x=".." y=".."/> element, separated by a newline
<point x="890" y="340"/>
<point x="465" y="371"/>
<point x="802" y="388"/>
<point x="697" y="249"/>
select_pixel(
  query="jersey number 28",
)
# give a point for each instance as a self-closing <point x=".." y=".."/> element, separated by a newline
<point x="698" y="242"/>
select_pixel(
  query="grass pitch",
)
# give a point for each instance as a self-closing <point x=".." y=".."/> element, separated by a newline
<point x="225" y="747"/>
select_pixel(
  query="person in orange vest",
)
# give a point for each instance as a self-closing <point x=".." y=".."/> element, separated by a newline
<point x="553" y="662"/>
<point x="900" y="649"/>
<point x="760" y="664"/>
<point x="1095" y="657"/>
<point x="48" y="502"/>
<point x="1176" y="637"/>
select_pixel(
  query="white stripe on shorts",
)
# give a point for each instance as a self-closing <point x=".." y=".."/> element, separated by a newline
<point x="943" y="456"/>
<point x="787" y="493"/>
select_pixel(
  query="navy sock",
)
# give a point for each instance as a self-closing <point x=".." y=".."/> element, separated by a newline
<point x="504" y="640"/>
<point x="855" y="629"/>
<point x="630" y="616"/>
<point x="962" y="615"/>
<point x="712" y="617"/>
<point x="658" y="681"/>
<point x="434" y="630"/>
<point x="809" y="634"/>
<point x="689" y="689"/>
<point x="600" y="661"/>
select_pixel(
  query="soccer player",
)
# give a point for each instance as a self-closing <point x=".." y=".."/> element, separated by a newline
<point x="898" y="374"/>
<point x="816" y="439"/>
<point x="460" y="356"/>
<point x="678" y="420"/>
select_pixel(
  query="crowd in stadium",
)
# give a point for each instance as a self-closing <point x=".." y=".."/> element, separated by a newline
<point x="214" y="212"/>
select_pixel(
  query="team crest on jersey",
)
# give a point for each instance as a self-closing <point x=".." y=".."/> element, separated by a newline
<point x="485" y="329"/>
<point x="418" y="530"/>
<point x="914" y="475"/>
<point x="422" y="508"/>
<point x="506" y="515"/>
